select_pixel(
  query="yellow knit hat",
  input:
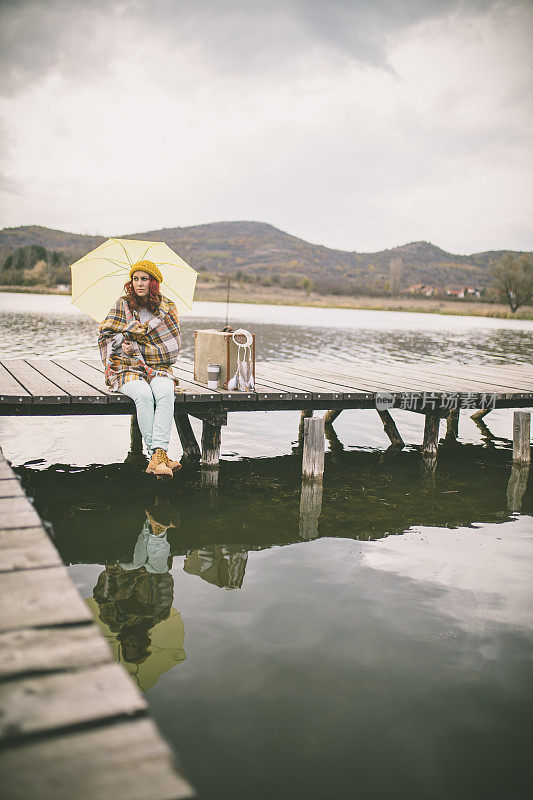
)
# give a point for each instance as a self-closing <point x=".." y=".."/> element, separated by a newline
<point x="149" y="267"/>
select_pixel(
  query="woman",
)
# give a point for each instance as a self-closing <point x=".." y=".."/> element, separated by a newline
<point x="139" y="341"/>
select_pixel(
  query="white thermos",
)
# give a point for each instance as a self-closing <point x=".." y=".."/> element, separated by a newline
<point x="213" y="375"/>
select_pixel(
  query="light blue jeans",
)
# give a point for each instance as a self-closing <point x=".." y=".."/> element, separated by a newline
<point x="154" y="403"/>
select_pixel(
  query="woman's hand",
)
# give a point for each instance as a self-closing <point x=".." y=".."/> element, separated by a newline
<point x="127" y="348"/>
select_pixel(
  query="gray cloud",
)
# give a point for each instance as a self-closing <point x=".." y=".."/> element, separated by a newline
<point x="80" y="38"/>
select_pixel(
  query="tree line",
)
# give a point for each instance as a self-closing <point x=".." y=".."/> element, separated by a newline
<point x="35" y="265"/>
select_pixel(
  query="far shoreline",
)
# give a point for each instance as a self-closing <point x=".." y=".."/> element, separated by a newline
<point x="261" y="295"/>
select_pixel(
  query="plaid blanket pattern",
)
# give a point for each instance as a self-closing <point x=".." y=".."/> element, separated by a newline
<point x="156" y="344"/>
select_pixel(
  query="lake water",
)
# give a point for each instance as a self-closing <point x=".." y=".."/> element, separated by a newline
<point x="389" y="656"/>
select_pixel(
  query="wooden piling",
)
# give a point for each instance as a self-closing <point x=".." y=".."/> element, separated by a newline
<point x="304" y="414"/>
<point x="336" y="447"/>
<point x="191" y="450"/>
<point x="313" y="449"/>
<point x="521" y="437"/>
<point x="452" y="427"/>
<point x="331" y="416"/>
<point x="210" y="444"/>
<point x="136" y="439"/>
<point x="135" y="455"/>
<point x="431" y="434"/>
<point x="516" y="488"/>
<point x="429" y="447"/>
<point x="310" y="508"/>
<point x="390" y="429"/>
<point x="482" y="412"/>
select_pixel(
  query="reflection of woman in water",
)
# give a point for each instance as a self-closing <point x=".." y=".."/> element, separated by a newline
<point x="133" y="602"/>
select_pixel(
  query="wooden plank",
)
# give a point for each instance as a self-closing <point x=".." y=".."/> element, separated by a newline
<point x="34" y="650"/>
<point x="472" y="373"/>
<point x="38" y="597"/>
<point x="195" y="392"/>
<point x="17" y="512"/>
<point x="6" y="473"/>
<point x="410" y="379"/>
<point x="27" y="548"/>
<point x="11" y="488"/>
<point x="360" y="385"/>
<point x="79" y="391"/>
<point x="41" y="389"/>
<point x="428" y="375"/>
<point x="362" y="378"/>
<point x="89" y="375"/>
<point x="11" y="391"/>
<point x="364" y="386"/>
<point x="126" y="760"/>
<point x="264" y="389"/>
<point x="319" y="389"/>
<point x="47" y="702"/>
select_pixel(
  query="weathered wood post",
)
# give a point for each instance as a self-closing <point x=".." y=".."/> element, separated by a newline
<point x="516" y="488"/>
<point x="431" y="433"/>
<point x="304" y="414"/>
<point x="431" y="440"/>
<point x="480" y="413"/>
<point x="313" y="451"/>
<point x="452" y="427"/>
<point x="135" y="454"/>
<point x="191" y="450"/>
<point x="310" y="508"/>
<point x="211" y="435"/>
<point x="136" y="439"/>
<point x="336" y="447"/>
<point x="312" y="475"/>
<point x="521" y="437"/>
<point x="390" y="429"/>
<point x="331" y="416"/>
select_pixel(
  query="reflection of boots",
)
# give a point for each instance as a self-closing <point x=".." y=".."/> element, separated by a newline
<point x="162" y="467"/>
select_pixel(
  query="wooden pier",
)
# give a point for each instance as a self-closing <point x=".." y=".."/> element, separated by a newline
<point x="52" y="387"/>
<point x="72" y="723"/>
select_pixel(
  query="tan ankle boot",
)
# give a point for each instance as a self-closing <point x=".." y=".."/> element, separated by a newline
<point x="162" y="467"/>
<point x="153" y="463"/>
<point x="174" y="465"/>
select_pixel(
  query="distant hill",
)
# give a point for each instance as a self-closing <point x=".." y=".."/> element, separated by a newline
<point x="260" y="252"/>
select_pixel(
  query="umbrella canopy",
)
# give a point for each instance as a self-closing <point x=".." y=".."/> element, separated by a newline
<point x="98" y="278"/>
<point x="165" y="649"/>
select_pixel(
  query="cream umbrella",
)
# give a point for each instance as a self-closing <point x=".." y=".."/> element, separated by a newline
<point x="98" y="278"/>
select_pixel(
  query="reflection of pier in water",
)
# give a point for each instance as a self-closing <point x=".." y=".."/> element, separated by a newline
<point x="261" y="503"/>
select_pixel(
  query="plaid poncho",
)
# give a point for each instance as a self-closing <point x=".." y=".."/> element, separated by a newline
<point x="156" y="344"/>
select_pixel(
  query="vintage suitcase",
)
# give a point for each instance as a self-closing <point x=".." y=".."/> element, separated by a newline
<point x="217" y="347"/>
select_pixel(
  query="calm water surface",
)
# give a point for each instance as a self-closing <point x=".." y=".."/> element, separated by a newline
<point x="380" y="645"/>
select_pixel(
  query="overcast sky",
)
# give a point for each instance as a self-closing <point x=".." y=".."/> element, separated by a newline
<point x="358" y="124"/>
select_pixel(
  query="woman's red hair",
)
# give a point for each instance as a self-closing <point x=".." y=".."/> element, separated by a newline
<point x="154" y="298"/>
